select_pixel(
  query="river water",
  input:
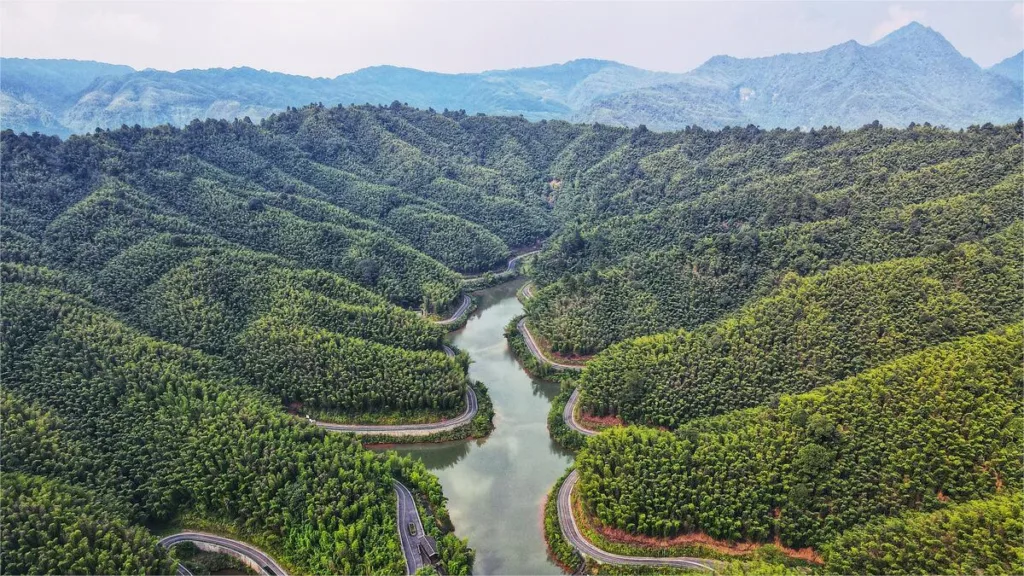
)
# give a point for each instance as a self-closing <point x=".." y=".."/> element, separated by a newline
<point x="496" y="487"/>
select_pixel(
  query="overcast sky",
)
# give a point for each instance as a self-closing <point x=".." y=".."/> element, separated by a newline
<point x="331" y="38"/>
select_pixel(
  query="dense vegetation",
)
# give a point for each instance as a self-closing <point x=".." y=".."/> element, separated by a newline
<point x="52" y="528"/>
<point x="166" y="291"/>
<point x="939" y="425"/>
<point x="810" y="332"/>
<point x="168" y="433"/>
<point x="681" y="230"/>
<point x="980" y="536"/>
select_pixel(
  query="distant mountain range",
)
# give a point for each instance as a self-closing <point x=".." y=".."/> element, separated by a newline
<point x="912" y="75"/>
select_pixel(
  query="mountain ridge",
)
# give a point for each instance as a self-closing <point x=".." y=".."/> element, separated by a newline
<point x="911" y="75"/>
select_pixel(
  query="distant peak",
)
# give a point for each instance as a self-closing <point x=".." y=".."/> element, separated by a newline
<point x="592" y="62"/>
<point x="914" y="34"/>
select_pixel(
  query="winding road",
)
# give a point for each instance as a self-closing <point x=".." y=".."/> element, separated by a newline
<point x="413" y="429"/>
<point x="463" y="306"/>
<point x="572" y="534"/>
<point x="569" y="414"/>
<point x="512" y="263"/>
<point x="515" y="259"/>
<point x="408" y="514"/>
<point x="252" y="556"/>
<point x="528" y="291"/>
<point x="535" y="350"/>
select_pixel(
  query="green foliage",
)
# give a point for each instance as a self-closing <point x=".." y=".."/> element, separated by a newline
<point x="53" y="528"/>
<point x="977" y="537"/>
<point x="714" y="220"/>
<point x="336" y="373"/>
<point x="481" y="425"/>
<point x="941" y="424"/>
<point x="559" y="430"/>
<point x="558" y="548"/>
<point x="460" y="245"/>
<point x="809" y="332"/>
<point x="204" y="563"/>
<point x="164" y="430"/>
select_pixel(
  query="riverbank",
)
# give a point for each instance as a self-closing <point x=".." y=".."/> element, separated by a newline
<point x="496" y="486"/>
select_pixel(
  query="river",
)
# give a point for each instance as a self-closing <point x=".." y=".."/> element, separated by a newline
<point x="496" y="487"/>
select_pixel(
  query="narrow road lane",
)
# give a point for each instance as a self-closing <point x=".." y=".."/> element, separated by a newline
<point x="528" y="291"/>
<point x="535" y="350"/>
<point x="509" y="268"/>
<point x="569" y="414"/>
<point x="513" y="262"/>
<point x="571" y="531"/>
<point x="408" y="516"/>
<point x="463" y="306"/>
<point x="251" y="555"/>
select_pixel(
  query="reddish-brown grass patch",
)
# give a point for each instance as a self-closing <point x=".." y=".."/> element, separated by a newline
<point x="691" y="538"/>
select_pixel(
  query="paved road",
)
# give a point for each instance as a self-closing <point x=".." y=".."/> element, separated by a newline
<point x="528" y="291"/>
<point x="240" y="550"/>
<point x="515" y="260"/>
<point x="408" y="514"/>
<point x="535" y="350"/>
<point x="569" y="414"/>
<point x="412" y="429"/>
<point x="572" y="534"/>
<point x="466" y="302"/>
<point x="512" y="263"/>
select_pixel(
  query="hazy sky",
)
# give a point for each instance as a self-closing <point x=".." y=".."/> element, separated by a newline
<point x="331" y="38"/>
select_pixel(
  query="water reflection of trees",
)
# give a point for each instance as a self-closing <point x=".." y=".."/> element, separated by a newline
<point x="544" y="389"/>
<point x="440" y="456"/>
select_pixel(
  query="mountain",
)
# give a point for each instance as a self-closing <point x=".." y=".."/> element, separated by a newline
<point x="33" y="93"/>
<point x="911" y="75"/>
<point x="152" y="97"/>
<point x="1012" y="68"/>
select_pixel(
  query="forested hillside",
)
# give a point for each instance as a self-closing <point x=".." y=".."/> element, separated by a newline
<point x="169" y="292"/>
<point x="680" y="230"/>
<point x="923" y="431"/>
<point x="809" y="332"/>
<point x="168" y="433"/>
<point x="985" y="535"/>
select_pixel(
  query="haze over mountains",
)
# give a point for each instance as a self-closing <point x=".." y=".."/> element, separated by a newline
<point x="912" y="75"/>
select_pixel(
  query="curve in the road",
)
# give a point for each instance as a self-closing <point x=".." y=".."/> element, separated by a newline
<point x="413" y="429"/>
<point x="463" y="306"/>
<point x="528" y="291"/>
<point x="512" y="262"/>
<point x="509" y="268"/>
<point x="569" y="414"/>
<point x="244" y="552"/>
<point x="572" y="534"/>
<point x="535" y="350"/>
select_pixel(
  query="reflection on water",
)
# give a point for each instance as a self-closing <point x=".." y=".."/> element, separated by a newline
<point x="496" y="488"/>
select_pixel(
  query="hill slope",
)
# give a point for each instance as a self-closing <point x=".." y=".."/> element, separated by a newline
<point x="1012" y="68"/>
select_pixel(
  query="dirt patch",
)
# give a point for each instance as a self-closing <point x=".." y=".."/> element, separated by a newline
<point x="720" y="546"/>
<point x="596" y="422"/>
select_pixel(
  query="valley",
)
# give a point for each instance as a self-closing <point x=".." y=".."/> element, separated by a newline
<point x="311" y="333"/>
